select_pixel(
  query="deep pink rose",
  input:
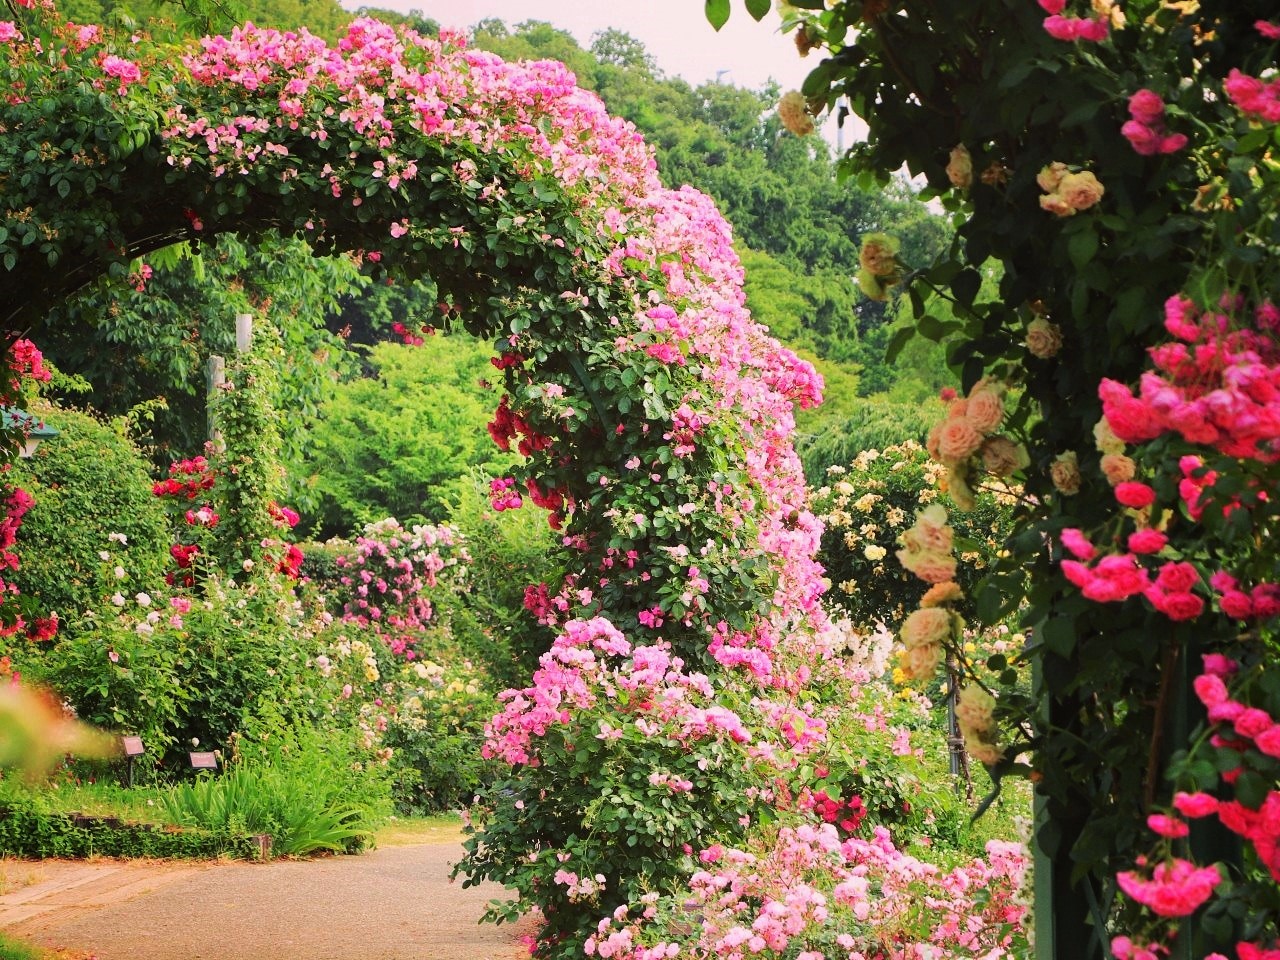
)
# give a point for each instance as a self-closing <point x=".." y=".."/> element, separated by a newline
<point x="1146" y="107"/>
<point x="1131" y="493"/>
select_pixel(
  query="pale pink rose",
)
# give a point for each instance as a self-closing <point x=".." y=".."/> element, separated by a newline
<point x="1044" y="339"/>
<point x="1065" y="473"/>
<point x="985" y="410"/>
<point x="925" y="627"/>
<point x="1118" y="468"/>
<point x="958" y="440"/>
<point x="960" y="168"/>
<point x="931" y="532"/>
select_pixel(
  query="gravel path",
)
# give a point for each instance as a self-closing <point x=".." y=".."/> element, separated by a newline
<point x="395" y="903"/>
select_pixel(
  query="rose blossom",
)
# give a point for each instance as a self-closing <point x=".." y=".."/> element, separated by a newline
<point x="930" y="625"/>
<point x="960" y="167"/>
<point x="1118" y="468"/>
<point x="1065" y="473"/>
<point x="1044" y="339"/>
<point x="985" y="409"/>
<point x="1082" y="190"/>
<point x="958" y="439"/>
<point x="1001" y="456"/>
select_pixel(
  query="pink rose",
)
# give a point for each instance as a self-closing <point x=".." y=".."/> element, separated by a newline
<point x="1236" y="604"/>
<point x="1134" y="494"/>
<point x="1195" y="805"/>
<point x="1253" y="722"/>
<point x="1210" y="689"/>
<point x="1219" y="664"/>
<point x="1079" y="545"/>
<point x="1167" y="826"/>
<point x="1147" y="541"/>
<point x="1145" y="106"/>
<point x="1269" y="741"/>
<point x="1177" y="577"/>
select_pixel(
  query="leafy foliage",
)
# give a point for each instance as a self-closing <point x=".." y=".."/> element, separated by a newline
<point x="88" y="483"/>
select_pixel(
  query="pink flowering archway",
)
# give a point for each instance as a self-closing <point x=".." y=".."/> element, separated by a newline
<point x="655" y="416"/>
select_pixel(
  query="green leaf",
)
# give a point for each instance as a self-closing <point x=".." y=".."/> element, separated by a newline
<point x="717" y="12"/>
<point x="899" y="340"/>
<point x="758" y="9"/>
<point x="1082" y="248"/>
<point x="966" y="286"/>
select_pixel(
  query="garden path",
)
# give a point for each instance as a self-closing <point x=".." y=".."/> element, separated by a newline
<point x="394" y="903"/>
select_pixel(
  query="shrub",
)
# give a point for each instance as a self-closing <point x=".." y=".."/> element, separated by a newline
<point x="876" y="423"/>
<point x="869" y="503"/>
<point x="88" y="482"/>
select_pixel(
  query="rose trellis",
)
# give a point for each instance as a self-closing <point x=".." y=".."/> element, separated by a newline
<point x="654" y="414"/>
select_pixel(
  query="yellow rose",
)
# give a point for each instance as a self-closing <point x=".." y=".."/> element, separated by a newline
<point x="1044" y="339"/>
<point x="1065" y="473"/>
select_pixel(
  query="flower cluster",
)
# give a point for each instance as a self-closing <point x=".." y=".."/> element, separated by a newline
<point x="187" y="478"/>
<point x="1094" y="28"/>
<point x="1217" y="385"/>
<point x="1067" y="192"/>
<point x="1146" y="130"/>
<point x="809" y="893"/>
<point x="503" y="495"/>
<point x="967" y="441"/>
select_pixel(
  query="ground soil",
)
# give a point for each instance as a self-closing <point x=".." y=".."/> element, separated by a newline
<point x="393" y="903"/>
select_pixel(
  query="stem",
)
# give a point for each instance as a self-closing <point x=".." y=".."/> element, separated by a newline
<point x="1168" y="666"/>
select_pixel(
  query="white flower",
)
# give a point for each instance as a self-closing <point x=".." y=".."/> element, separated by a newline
<point x="118" y="599"/>
<point x="119" y="538"/>
<point x="119" y="572"/>
<point x="247" y="565"/>
<point x="144" y="599"/>
<point x="104" y="555"/>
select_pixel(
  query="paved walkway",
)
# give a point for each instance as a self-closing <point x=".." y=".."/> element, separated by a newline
<point x="395" y="903"/>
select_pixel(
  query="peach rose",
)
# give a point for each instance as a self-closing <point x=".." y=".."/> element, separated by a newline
<point x="941" y="593"/>
<point x="1081" y="190"/>
<point x="921" y="663"/>
<point x="960" y="168"/>
<point x="1001" y="456"/>
<point x="958" y="440"/>
<point x="925" y="627"/>
<point x="793" y="111"/>
<point x="1044" y="339"/>
<point x="929" y="566"/>
<point x="985" y="410"/>
<point x="1055" y="204"/>
<point x="931" y="529"/>
<point x="1118" y="468"/>
<point x="975" y="710"/>
<point x="1065" y="473"/>
<point x="985" y="753"/>
<point x="1051" y="176"/>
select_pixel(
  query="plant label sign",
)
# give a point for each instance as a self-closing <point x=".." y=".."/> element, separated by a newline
<point x="203" y="760"/>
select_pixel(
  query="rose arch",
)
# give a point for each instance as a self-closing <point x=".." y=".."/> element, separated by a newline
<point x="654" y="415"/>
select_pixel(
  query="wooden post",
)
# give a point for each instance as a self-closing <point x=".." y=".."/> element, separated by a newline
<point x="216" y="377"/>
<point x="244" y="332"/>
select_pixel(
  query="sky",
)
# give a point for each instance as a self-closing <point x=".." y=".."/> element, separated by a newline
<point x="675" y="32"/>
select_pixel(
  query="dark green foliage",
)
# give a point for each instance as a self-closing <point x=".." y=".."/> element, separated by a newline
<point x="88" y="482"/>
<point x="28" y="831"/>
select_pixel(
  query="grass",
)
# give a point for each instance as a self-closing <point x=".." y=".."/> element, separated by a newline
<point x="409" y="831"/>
<point x="142" y="804"/>
<point x="11" y="949"/>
